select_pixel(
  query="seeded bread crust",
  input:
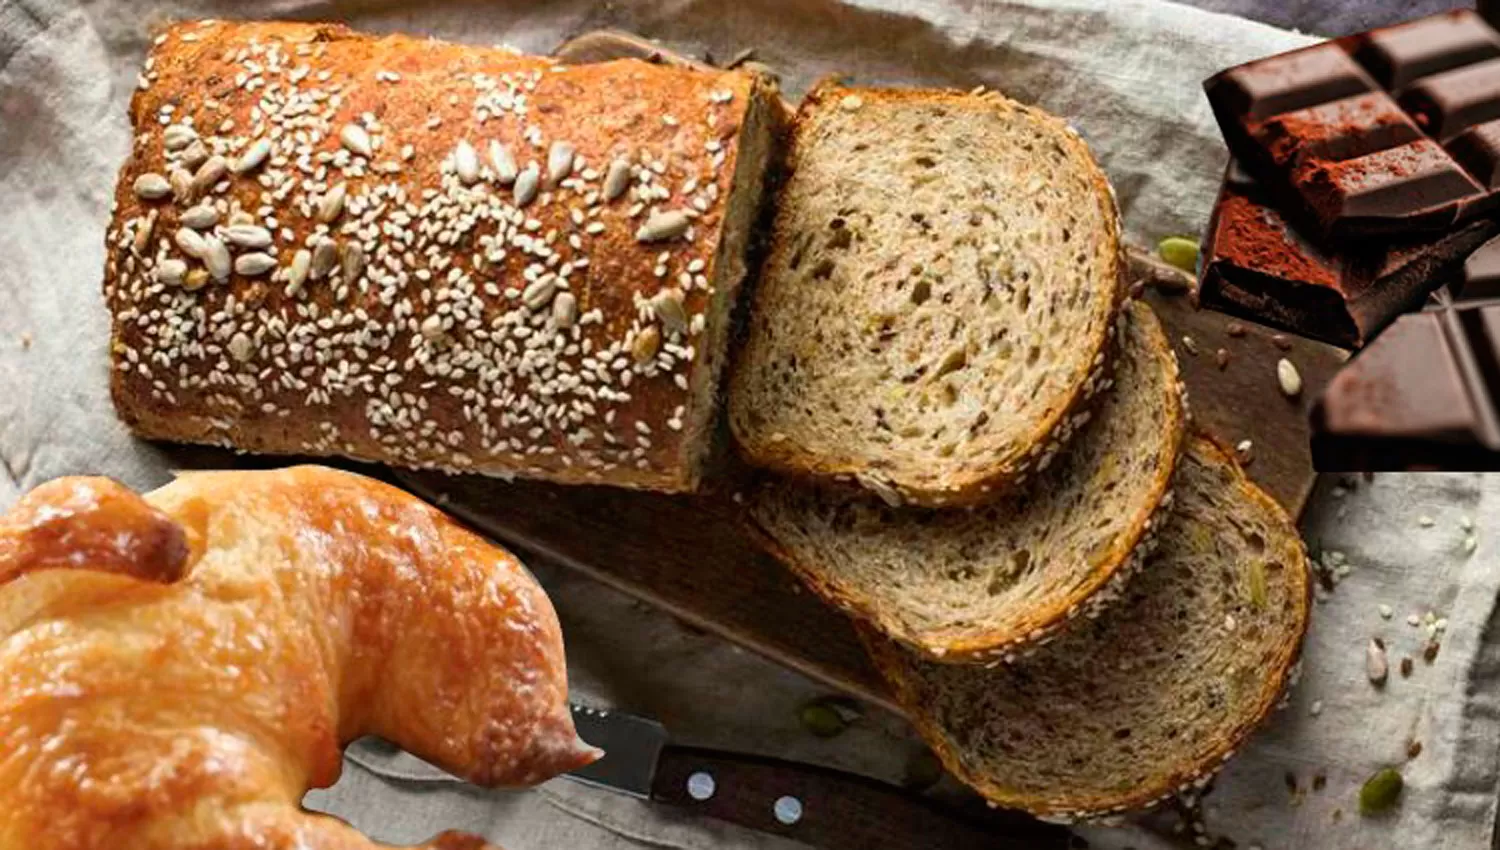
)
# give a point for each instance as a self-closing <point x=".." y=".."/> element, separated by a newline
<point x="1280" y="623"/>
<point x="509" y="318"/>
<point x="780" y="435"/>
<point x="1074" y="566"/>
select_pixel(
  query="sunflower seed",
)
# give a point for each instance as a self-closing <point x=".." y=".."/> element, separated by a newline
<point x="526" y="185"/>
<point x="1377" y="667"/>
<point x="240" y="346"/>
<point x="209" y="174"/>
<point x="191" y="242"/>
<point x="216" y="257"/>
<point x="661" y="226"/>
<point x="565" y="310"/>
<point x="195" y="155"/>
<point x="143" y="228"/>
<point x="182" y="185"/>
<point x="502" y="162"/>
<point x="247" y="236"/>
<point x="178" y="136"/>
<point x="200" y="217"/>
<point x="1290" y="378"/>
<point x="331" y="205"/>
<point x="195" y="279"/>
<point x="647" y="342"/>
<point x="539" y="293"/>
<point x="171" y="272"/>
<point x="253" y="156"/>
<point x="254" y="264"/>
<point x="559" y="162"/>
<point x="616" y="180"/>
<point x="296" y="273"/>
<point x="150" y="186"/>
<point x="353" y="262"/>
<point x="356" y="140"/>
<point x="432" y="327"/>
<point x="466" y="162"/>
<point x="325" y="255"/>
<point x="239" y="217"/>
<point x="668" y="307"/>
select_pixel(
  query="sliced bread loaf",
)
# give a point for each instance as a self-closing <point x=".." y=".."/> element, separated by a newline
<point x="1154" y="695"/>
<point x="969" y="585"/>
<point x="939" y="296"/>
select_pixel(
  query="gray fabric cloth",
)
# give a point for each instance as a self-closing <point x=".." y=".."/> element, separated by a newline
<point x="1128" y="73"/>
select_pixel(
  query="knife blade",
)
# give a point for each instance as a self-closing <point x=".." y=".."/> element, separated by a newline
<point x="818" y="806"/>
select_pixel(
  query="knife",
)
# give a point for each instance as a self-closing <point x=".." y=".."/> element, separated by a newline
<point x="818" y="806"/>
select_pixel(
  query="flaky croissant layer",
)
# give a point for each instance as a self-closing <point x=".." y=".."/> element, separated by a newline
<point x="176" y="670"/>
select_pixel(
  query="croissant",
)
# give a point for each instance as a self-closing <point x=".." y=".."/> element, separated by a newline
<point x="176" y="670"/>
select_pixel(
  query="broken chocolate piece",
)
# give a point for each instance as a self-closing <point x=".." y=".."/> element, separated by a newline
<point x="1258" y="265"/>
<point x="1421" y="396"/>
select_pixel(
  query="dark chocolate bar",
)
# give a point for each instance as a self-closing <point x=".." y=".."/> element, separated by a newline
<point x="1423" y="395"/>
<point x="1391" y="132"/>
<point x="1258" y="265"/>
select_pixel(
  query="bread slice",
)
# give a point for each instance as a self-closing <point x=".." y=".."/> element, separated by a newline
<point x="1154" y="695"/>
<point x="969" y="585"/>
<point x="939" y="297"/>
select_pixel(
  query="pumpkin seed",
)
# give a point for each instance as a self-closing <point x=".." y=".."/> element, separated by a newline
<point x="171" y="272"/>
<point x="178" y="136"/>
<point x="195" y="280"/>
<point x="661" y="226"/>
<point x="354" y="138"/>
<point x="200" y="217"/>
<point x="616" y="179"/>
<point x="331" y="205"/>
<point x="325" y="255"/>
<point x="466" y="162"/>
<point x="559" y="162"/>
<point x="1179" y="251"/>
<point x="216" y="257"/>
<point x="254" y="264"/>
<point x="253" y="156"/>
<point x="1290" y="378"/>
<point x="526" y="185"/>
<point x="247" y="236"/>
<point x="1258" y="595"/>
<point x="825" y="717"/>
<point x="191" y="242"/>
<point x="1381" y="791"/>
<point x="151" y="186"/>
<point x="502" y="162"/>
<point x="565" y="310"/>
<point x="647" y="342"/>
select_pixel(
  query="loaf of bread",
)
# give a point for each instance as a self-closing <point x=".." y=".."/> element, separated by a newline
<point x="937" y="307"/>
<point x="431" y="255"/>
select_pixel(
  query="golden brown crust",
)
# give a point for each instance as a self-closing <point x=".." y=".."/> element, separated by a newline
<point x="440" y="350"/>
<point x="311" y="607"/>
<point x="1074" y="805"/>
<point x="1010" y="467"/>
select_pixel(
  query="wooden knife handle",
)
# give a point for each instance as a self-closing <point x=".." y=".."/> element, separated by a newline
<point x="835" y="810"/>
